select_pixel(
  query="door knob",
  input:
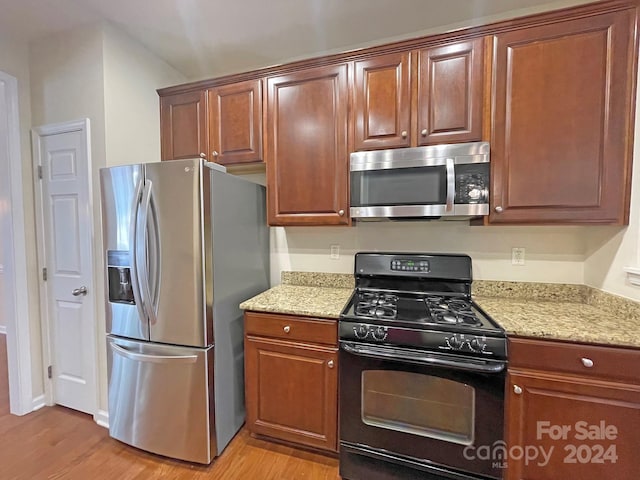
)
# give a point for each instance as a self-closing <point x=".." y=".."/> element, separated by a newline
<point x="341" y="213"/>
<point x="76" y="292"/>
<point x="404" y="134"/>
<point x="424" y="132"/>
<point x="330" y="364"/>
<point x="498" y="209"/>
<point x="202" y="155"/>
<point x="517" y="390"/>
<point x="214" y="153"/>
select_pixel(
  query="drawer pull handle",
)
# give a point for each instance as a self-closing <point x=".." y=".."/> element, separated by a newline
<point x="517" y="390"/>
<point x="287" y="329"/>
<point x="330" y="364"/>
<point x="587" y="362"/>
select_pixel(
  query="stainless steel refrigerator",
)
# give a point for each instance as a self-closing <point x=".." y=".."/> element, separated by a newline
<point x="185" y="244"/>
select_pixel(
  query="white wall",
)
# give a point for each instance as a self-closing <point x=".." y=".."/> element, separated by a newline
<point x="100" y="73"/>
<point x="132" y="74"/>
<point x="553" y="254"/>
<point x="609" y="250"/>
<point x="14" y="60"/>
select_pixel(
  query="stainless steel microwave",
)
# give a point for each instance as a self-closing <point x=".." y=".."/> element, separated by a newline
<point x="421" y="182"/>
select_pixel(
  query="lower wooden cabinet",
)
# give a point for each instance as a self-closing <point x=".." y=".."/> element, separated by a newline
<point x="577" y="425"/>
<point x="291" y="380"/>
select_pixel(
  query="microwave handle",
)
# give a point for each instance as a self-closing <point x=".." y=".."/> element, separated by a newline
<point x="451" y="185"/>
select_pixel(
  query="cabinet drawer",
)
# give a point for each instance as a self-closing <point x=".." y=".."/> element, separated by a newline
<point x="293" y="328"/>
<point x="610" y="363"/>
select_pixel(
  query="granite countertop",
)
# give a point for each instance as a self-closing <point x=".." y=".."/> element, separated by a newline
<point x="575" y="313"/>
<point x="307" y="294"/>
<point x="562" y="312"/>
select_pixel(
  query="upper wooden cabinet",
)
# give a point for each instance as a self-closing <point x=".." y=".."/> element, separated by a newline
<point x="440" y="100"/>
<point x="235" y="123"/>
<point x="183" y="125"/>
<point x="562" y="121"/>
<point x="306" y="147"/>
<point x="450" y="93"/>
<point x="222" y="124"/>
<point x="382" y="102"/>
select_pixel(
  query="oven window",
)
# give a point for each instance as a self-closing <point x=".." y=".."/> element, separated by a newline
<point x="419" y="404"/>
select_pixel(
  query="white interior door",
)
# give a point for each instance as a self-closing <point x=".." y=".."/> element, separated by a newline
<point x="67" y="245"/>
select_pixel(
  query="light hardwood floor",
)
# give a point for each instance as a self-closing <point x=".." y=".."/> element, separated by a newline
<point x="58" y="443"/>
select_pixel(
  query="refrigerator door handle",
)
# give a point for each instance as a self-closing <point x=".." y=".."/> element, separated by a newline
<point x="142" y="252"/>
<point x="142" y="357"/>
<point x="135" y="280"/>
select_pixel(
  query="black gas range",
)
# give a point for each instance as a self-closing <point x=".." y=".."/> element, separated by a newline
<point x="421" y="301"/>
<point x="422" y="371"/>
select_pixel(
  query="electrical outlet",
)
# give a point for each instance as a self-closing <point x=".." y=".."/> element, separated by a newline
<point x="335" y="252"/>
<point x="517" y="256"/>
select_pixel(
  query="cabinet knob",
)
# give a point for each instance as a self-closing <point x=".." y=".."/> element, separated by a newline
<point x="587" y="362"/>
<point x="341" y="213"/>
<point x="404" y="134"/>
<point x="214" y="153"/>
<point x="202" y="155"/>
<point x="517" y="390"/>
<point x="498" y="209"/>
<point x="287" y="329"/>
<point x="330" y="364"/>
<point x="424" y="132"/>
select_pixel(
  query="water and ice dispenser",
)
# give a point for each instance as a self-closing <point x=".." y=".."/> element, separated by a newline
<point x="119" y="272"/>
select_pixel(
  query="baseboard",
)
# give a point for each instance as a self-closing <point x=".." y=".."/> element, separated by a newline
<point x="3" y="329"/>
<point x="102" y="418"/>
<point x="37" y="403"/>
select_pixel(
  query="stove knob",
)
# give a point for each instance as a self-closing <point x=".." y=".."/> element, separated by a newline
<point x="360" y="331"/>
<point x="454" y="342"/>
<point x="379" y="333"/>
<point x="477" y="345"/>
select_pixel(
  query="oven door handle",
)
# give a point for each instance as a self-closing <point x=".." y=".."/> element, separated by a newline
<point x="424" y="358"/>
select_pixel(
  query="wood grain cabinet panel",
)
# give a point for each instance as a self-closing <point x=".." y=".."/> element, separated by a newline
<point x="450" y="89"/>
<point x="563" y="406"/>
<point x="183" y="125"/>
<point x="562" y="117"/>
<point x="291" y="386"/>
<point x="382" y="102"/>
<point x="307" y="157"/>
<point x="235" y="123"/>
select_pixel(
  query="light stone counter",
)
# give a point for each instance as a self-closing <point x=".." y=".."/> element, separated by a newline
<point x="575" y="313"/>
<point x="563" y="312"/>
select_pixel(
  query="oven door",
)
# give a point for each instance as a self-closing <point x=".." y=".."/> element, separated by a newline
<point x="421" y="410"/>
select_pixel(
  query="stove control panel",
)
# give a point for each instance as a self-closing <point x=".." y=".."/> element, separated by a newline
<point x="466" y="342"/>
<point x="446" y="342"/>
<point x="410" y="265"/>
<point x="372" y="332"/>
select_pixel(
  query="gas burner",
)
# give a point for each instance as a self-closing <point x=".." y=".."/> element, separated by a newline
<point x="378" y="305"/>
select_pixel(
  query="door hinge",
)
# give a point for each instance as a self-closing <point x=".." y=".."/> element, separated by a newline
<point x="49" y="371"/>
<point x="44" y="274"/>
<point x="40" y="172"/>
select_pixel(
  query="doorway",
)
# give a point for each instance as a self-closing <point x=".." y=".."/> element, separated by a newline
<point x="13" y="255"/>
<point x="62" y="160"/>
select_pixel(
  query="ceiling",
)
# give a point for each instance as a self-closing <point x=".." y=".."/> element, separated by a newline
<point x="205" y="38"/>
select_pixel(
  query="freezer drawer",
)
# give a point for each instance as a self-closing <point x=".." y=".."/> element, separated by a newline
<point x="160" y="398"/>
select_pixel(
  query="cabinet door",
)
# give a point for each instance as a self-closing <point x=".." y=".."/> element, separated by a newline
<point x="235" y="123"/>
<point x="450" y="93"/>
<point x="542" y="409"/>
<point x="183" y="125"/>
<point x="292" y="391"/>
<point x="382" y="102"/>
<point x="562" y="121"/>
<point x="307" y="157"/>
